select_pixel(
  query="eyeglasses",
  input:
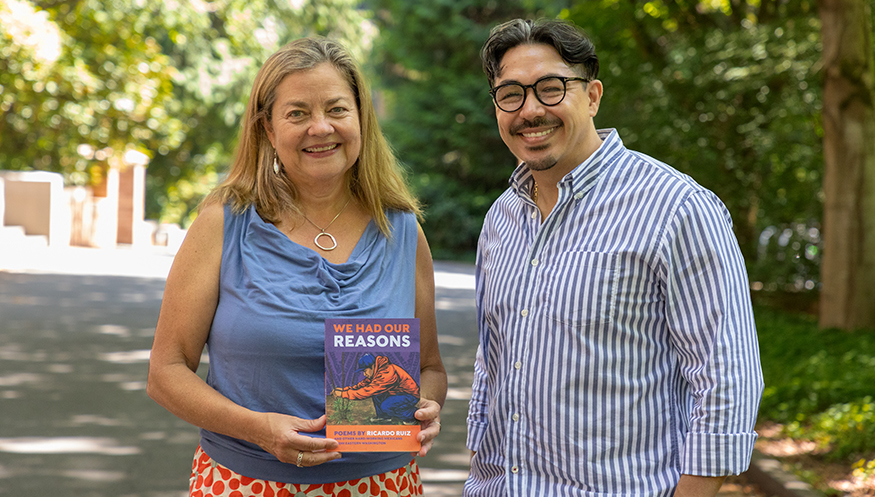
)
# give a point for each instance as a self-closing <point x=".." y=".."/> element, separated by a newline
<point x="549" y="91"/>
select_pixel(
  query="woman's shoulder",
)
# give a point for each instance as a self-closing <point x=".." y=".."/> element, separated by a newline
<point x="209" y="225"/>
<point x="403" y="223"/>
<point x="203" y="243"/>
<point x="211" y="216"/>
<point x="398" y="216"/>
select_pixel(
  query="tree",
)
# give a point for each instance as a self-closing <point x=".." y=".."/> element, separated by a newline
<point x="84" y="82"/>
<point x="439" y="115"/>
<point x="728" y="92"/>
<point x="847" y="299"/>
<point x="79" y="89"/>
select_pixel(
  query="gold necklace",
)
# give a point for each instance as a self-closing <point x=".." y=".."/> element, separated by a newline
<point x="325" y="233"/>
<point x="535" y="193"/>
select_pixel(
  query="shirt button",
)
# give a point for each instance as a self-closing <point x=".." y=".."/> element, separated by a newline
<point x="578" y="195"/>
<point x="534" y="215"/>
<point x="515" y="470"/>
<point x="516" y="417"/>
<point x="535" y="262"/>
<point x="524" y="312"/>
<point x="517" y="365"/>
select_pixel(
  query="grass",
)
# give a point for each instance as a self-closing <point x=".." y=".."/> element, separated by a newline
<point x="820" y="386"/>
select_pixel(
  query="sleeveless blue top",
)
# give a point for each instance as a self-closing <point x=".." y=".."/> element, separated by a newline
<point x="267" y="341"/>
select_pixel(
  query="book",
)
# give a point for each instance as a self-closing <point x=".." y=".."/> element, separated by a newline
<point x="372" y="384"/>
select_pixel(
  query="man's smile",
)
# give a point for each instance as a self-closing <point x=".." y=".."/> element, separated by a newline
<point x="538" y="134"/>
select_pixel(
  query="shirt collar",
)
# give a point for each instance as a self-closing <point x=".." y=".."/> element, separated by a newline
<point x="583" y="177"/>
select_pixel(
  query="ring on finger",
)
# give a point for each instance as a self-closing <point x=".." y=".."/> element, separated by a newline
<point x="300" y="459"/>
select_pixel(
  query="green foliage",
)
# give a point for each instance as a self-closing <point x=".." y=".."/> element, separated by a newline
<point x="730" y="94"/>
<point x="82" y="83"/>
<point x="439" y="115"/>
<point x="79" y="87"/>
<point x="845" y="429"/>
<point x="864" y="469"/>
<point x="819" y="383"/>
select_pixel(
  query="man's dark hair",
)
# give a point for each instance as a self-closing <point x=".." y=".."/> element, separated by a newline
<point x="571" y="42"/>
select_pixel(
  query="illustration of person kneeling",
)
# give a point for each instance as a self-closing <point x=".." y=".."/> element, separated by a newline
<point x="394" y="392"/>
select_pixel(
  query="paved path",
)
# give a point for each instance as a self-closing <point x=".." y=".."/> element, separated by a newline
<point x="76" y="326"/>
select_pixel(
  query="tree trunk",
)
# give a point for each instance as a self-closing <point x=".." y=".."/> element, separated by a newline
<point x="847" y="298"/>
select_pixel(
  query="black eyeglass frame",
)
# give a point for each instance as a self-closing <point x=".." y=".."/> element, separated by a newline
<point x="564" y="79"/>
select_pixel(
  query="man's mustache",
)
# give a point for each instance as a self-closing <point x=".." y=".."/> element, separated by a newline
<point x="538" y="122"/>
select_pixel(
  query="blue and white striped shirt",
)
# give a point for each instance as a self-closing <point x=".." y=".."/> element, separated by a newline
<point x="617" y="343"/>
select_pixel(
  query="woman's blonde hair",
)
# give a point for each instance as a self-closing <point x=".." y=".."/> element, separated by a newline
<point x="376" y="180"/>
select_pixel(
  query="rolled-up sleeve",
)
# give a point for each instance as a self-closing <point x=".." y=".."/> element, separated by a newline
<point x="712" y="328"/>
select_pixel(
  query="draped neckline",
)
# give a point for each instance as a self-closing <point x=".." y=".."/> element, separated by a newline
<point x="269" y="229"/>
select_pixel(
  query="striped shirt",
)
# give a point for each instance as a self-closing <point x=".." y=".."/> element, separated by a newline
<point x="617" y="342"/>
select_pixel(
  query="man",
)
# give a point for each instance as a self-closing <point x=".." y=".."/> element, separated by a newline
<point x="394" y="392"/>
<point x="618" y="354"/>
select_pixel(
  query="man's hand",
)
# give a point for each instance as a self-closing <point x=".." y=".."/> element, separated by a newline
<point x="698" y="486"/>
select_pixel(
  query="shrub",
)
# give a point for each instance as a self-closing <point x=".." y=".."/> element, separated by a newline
<point x="819" y="383"/>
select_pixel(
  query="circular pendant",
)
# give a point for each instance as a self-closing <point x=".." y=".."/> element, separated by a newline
<point x="316" y="241"/>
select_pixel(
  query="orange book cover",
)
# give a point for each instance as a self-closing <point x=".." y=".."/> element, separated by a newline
<point x="372" y="384"/>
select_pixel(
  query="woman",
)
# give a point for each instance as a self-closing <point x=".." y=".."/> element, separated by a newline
<point x="314" y="221"/>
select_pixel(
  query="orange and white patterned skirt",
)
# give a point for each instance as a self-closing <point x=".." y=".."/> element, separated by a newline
<point x="211" y="479"/>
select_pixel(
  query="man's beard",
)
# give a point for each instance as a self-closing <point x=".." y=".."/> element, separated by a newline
<point x="541" y="164"/>
<point x="545" y="163"/>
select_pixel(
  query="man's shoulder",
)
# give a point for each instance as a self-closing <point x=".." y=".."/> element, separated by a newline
<point x="652" y="173"/>
<point x="509" y="199"/>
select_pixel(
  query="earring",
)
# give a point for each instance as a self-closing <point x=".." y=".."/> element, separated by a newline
<point x="276" y="166"/>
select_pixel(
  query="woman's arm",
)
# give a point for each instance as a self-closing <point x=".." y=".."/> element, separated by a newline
<point x="433" y="376"/>
<point x="190" y="298"/>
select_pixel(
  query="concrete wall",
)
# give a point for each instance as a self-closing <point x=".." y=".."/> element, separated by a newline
<point x="2" y="201"/>
<point x="35" y="200"/>
<point x="104" y="233"/>
<point x="37" y="203"/>
<point x="132" y="206"/>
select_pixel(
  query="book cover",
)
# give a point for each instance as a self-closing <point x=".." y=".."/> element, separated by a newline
<point x="372" y="384"/>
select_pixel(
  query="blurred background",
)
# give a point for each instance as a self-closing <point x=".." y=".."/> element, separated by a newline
<point x="118" y="116"/>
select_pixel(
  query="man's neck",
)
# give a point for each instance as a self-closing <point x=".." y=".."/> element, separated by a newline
<point x="548" y="179"/>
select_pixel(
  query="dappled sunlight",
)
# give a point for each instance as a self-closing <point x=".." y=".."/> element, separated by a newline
<point x="453" y="281"/>
<point x="94" y="475"/>
<point x="126" y="357"/>
<point x="19" y="379"/>
<point x="142" y="262"/>
<point x="65" y="445"/>
<point x="459" y="394"/>
<point x="440" y="475"/>
<point x="60" y="368"/>
<point x="454" y="304"/>
<point x="94" y="420"/>
<point x="31" y="29"/>
<point x="127" y="382"/>
<point x="112" y="329"/>
<point x="451" y="340"/>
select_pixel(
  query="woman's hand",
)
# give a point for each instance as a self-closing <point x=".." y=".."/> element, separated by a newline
<point x="283" y="439"/>
<point x="429" y="415"/>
